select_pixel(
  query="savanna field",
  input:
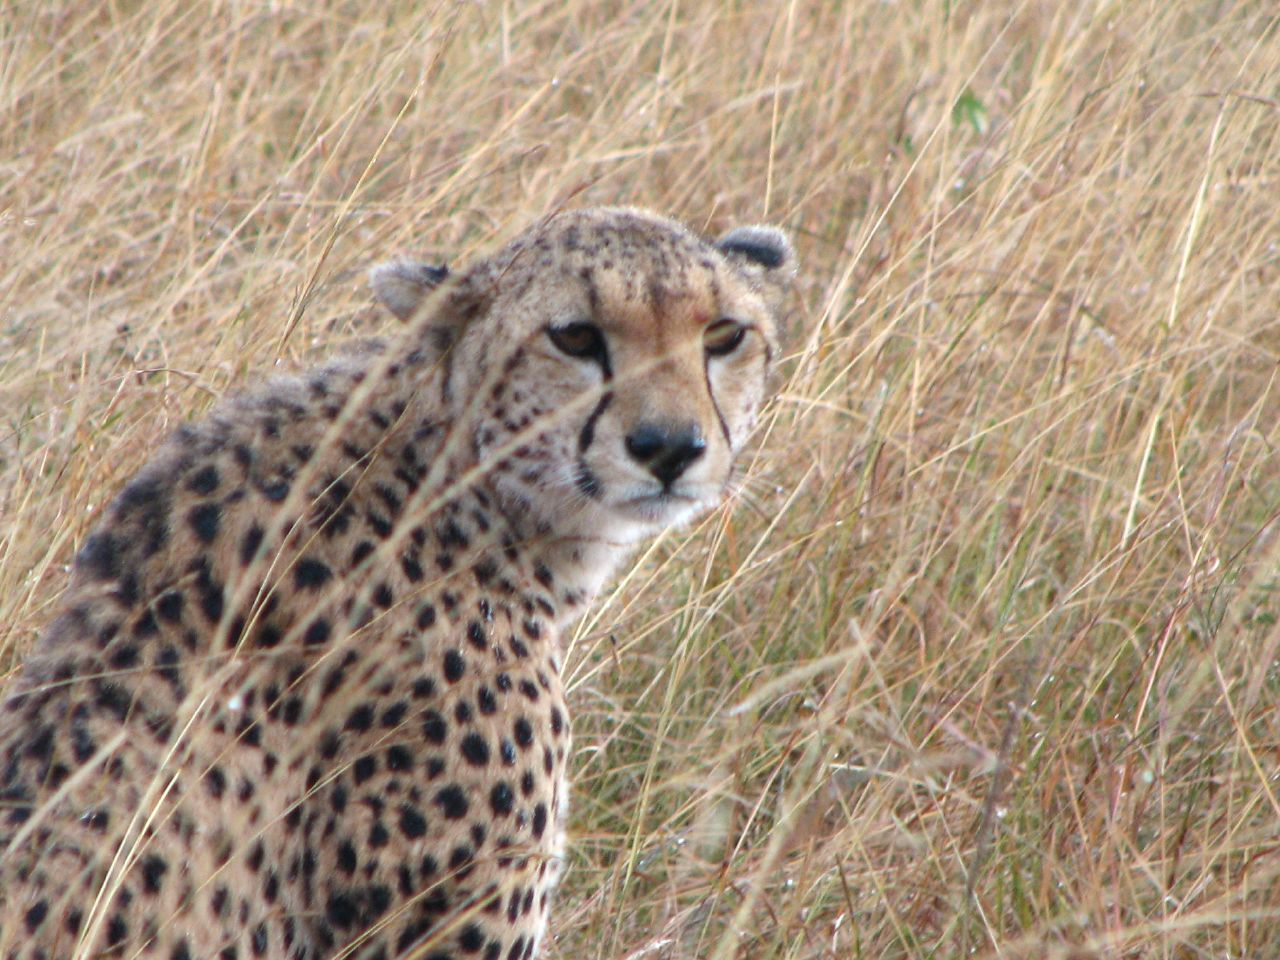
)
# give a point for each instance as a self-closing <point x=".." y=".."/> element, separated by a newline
<point x="983" y="657"/>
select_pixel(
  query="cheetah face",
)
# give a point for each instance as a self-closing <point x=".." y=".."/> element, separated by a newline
<point x="616" y="366"/>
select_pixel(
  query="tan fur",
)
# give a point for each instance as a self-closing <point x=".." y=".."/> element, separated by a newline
<point x="303" y="695"/>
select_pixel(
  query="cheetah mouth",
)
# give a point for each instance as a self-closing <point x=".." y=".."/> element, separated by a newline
<point x="659" y="506"/>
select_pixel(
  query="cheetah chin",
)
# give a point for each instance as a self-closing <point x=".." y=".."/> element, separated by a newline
<point x="302" y="697"/>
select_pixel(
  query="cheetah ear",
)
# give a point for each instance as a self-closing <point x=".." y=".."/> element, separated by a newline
<point x="766" y="256"/>
<point x="402" y="285"/>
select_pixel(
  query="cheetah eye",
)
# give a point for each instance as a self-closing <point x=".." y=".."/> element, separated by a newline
<point x="582" y="340"/>
<point x="722" y="338"/>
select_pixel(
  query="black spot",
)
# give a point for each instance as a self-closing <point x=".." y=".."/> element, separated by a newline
<point x="123" y="656"/>
<point x="501" y="798"/>
<point x="518" y="647"/>
<point x="154" y="868"/>
<point x="426" y="616"/>
<point x="471" y="939"/>
<point x="508" y="752"/>
<point x="399" y="758"/>
<point x="362" y="551"/>
<point x="117" y="930"/>
<point x="82" y="744"/>
<point x="378" y="836"/>
<point x="250" y="543"/>
<point x="146" y="502"/>
<point x="460" y="860"/>
<point x="557" y="721"/>
<point x="388" y="496"/>
<point x="394" y="714"/>
<point x="424" y="688"/>
<point x="215" y="782"/>
<point x="268" y="635"/>
<point x="412" y="567"/>
<point x="452" y="801"/>
<point x="452" y="537"/>
<point x="169" y="606"/>
<point x="412" y="823"/>
<point x="364" y="768"/>
<point x="341" y="911"/>
<point x="261" y="940"/>
<point x="310" y="574"/>
<point x="476" y="636"/>
<point x="256" y="856"/>
<point x="487" y="702"/>
<point x="181" y="951"/>
<point x="524" y="733"/>
<point x="347" y="860"/>
<point x="275" y="489"/>
<point x="113" y="697"/>
<point x="462" y="712"/>
<point x="404" y="880"/>
<point x="249" y="732"/>
<point x="204" y="481"/>
<point x="484" y="571"/>
<point x="383" y="596"/>
<point x="338" y="798"/>
<point x="317" y="633"/>
<point x="476" y="749"/>
<point x="539" y="819"/>
<point x="211" y="600"/>
<point x="204" y="520"/>
<point x="528" y="688"/>
<point x="379" y="524"/>
<point x="434" y="727"/>
<point x="35" y="916"/>
<point x="454" y="666"/>
<point x="504" y="682"/>
<point x="527" y="783"/>
<point x="99" y="558"/>
<point x="361" y="718"/>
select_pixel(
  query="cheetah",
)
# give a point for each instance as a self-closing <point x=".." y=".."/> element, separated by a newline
<point x="303" y="694"/>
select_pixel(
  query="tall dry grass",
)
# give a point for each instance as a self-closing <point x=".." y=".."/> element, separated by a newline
<point x="983" y="661"/>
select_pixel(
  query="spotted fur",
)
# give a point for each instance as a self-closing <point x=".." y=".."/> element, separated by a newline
<point x="303" y="696"/>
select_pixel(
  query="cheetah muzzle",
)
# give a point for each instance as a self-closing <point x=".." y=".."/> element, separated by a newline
<point x="302" y="697"/>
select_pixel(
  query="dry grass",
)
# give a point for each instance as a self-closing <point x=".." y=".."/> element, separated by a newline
<point x="984" y="661"/>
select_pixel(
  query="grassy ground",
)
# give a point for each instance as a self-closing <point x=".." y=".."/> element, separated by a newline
<point x="983" y="662"/>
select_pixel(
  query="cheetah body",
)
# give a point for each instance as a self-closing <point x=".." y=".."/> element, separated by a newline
<point x="303" y="697"/>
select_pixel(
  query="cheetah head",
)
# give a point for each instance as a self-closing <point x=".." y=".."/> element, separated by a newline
<point x="607" y="364"/>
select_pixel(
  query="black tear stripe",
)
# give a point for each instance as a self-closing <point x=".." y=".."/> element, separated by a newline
<point x="715" y="404"/>
<point x="588" y="433"/>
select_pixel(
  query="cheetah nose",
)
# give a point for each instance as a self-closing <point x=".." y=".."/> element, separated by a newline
<point x="666" y="449"/>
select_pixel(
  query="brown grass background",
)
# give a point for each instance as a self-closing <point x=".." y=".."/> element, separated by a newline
<point x="983" y="660"/>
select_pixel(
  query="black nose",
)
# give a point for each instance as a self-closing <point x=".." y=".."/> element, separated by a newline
<point x="666" y="449"/>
